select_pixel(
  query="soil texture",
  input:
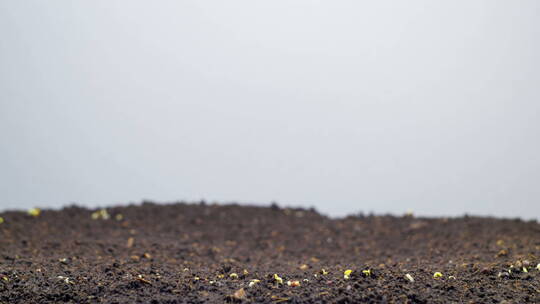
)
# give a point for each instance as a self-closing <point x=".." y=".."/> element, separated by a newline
<point x="207" y="253"/>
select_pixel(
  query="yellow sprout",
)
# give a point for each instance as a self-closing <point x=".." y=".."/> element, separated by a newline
<point x="253" y="282"/>
<point x="221" y="276"/>
<point x="119" y="217"/>
<point x="35" y="212"/>
<point x="233" y="276"/>
<point x="101" y="214"/>
<point x="1" y="220"/>
<point x="538" y="266"/>
<point x="409" y="277"/>
<point x="437" y="275"/>
<point x="324" y="272"/>
<point x="525" y="269"/>
<point x="104" y="214"/>
<point x="347" y="274"/>
<point x="278" y="279"/>
<point x="245" y="272"/>
<point x="367" y="272"/>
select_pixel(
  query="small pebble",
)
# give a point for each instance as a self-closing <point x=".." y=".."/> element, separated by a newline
<point x="240" y="294"/>
<point x="293" y="283"/>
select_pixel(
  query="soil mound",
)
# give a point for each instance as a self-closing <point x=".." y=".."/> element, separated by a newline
<point x="199" y="253"/>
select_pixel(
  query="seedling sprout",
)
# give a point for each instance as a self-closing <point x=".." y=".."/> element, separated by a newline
<point x="101" y="214"/>
<point x="278" y="279"/>
<point x="35" y="212"/>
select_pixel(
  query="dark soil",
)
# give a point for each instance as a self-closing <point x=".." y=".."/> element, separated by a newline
<point x="185" y="253"/>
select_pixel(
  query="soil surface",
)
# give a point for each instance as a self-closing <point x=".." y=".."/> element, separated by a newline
<point x="200" y="253"/>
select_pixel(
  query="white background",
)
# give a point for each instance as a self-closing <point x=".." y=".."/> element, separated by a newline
<point x="384" y="106"/>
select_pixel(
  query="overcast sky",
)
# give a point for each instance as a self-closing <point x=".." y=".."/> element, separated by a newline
<point x="383" y="106"/>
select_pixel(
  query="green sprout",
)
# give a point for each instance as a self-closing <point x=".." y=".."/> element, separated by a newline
<point x="437" y="275"/>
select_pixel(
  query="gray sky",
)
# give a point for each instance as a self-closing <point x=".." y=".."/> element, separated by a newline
<point x="384" y="106"/>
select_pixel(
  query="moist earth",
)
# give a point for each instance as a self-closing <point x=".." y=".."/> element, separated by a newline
<point x="209" y="253"/>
